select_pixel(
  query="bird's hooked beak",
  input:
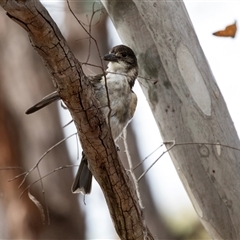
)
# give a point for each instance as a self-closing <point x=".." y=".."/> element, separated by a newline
<point x="111" y="57"/>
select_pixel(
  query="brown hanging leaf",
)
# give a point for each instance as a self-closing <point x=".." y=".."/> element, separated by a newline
<point x="229" y="31"/>
<point x="38" y="205"/>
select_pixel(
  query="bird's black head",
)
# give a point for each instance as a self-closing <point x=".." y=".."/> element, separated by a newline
<point x="123" y="60"/>
<point x="121" y="53"/>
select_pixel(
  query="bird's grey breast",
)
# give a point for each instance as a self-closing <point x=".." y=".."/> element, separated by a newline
<point x="121" y="101"/>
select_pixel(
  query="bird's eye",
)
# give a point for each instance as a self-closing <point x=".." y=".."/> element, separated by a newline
<point x="124" y="54"/>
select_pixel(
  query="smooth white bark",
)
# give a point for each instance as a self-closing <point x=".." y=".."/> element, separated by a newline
<point x="187" y="105"/>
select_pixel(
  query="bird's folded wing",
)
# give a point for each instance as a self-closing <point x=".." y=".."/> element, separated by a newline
<point x="95" y="79"/>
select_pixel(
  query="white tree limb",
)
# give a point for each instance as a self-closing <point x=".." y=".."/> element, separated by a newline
<point x="187" y="105"/>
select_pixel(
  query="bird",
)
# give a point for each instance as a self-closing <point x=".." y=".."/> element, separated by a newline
<point x="120" y="76"/>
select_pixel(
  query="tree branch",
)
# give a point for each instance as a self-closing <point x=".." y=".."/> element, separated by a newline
<point x="77" y="93"/>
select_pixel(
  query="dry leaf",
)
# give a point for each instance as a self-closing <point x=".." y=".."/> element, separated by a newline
<point x="229" y="31"/>
<point x="38" y="205"/>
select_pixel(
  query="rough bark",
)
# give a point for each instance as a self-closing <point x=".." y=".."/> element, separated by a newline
<point x="188" y="107"/>
<point x="78" y="95"/>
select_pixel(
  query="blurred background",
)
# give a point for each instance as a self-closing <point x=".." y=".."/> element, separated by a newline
<point x="24" y="139"/>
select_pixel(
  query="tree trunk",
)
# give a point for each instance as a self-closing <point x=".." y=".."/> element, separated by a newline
<point x="188" y="107"/>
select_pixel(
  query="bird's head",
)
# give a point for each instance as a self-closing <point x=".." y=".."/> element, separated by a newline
<point x="122" y="60"/>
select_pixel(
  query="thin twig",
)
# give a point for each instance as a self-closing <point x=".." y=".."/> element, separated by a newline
<point x="90" y="36"/>
<point x="139" y="164"/>
<point x="77" y="146"/>
<point x="101" y="60"/>
<point x="145" y="172"/>
<point x="26" y="173"/>
<point x="134" y="181"/>
<point x="174" y="144"/>
<point x="46" y="175"/>
<point x="10" y="168"/>
<point x="44" y="196"/>
<point x="68" y="124"/>
<point x="90" y="30"/>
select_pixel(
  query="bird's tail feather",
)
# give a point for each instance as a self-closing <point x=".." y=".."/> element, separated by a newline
<point x="83" y="180"/>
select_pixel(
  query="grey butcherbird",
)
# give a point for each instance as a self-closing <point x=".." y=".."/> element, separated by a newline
<point x="120" y="75"/>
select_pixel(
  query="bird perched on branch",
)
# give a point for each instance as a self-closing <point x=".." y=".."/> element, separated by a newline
<point x="120" y="75"/>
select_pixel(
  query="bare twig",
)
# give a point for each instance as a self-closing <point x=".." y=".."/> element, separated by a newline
<point x="99" y="54"/>
<point x="46" y="175"/>
<point x="174" y="144"/>
<point x="87" y="32"/>
<point x="133" y="175"/>
<point x="26" y="173"/>
<point x="10" y="168"/>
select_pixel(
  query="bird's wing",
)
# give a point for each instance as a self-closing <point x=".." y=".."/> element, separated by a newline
<point x="52" y="97"/>
<point x="95" y="79"/>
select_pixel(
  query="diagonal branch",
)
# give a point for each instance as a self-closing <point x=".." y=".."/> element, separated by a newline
<point x="77" y="93"/>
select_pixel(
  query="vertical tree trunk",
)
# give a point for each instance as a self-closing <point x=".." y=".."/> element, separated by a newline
<point x="188" y="107"/>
